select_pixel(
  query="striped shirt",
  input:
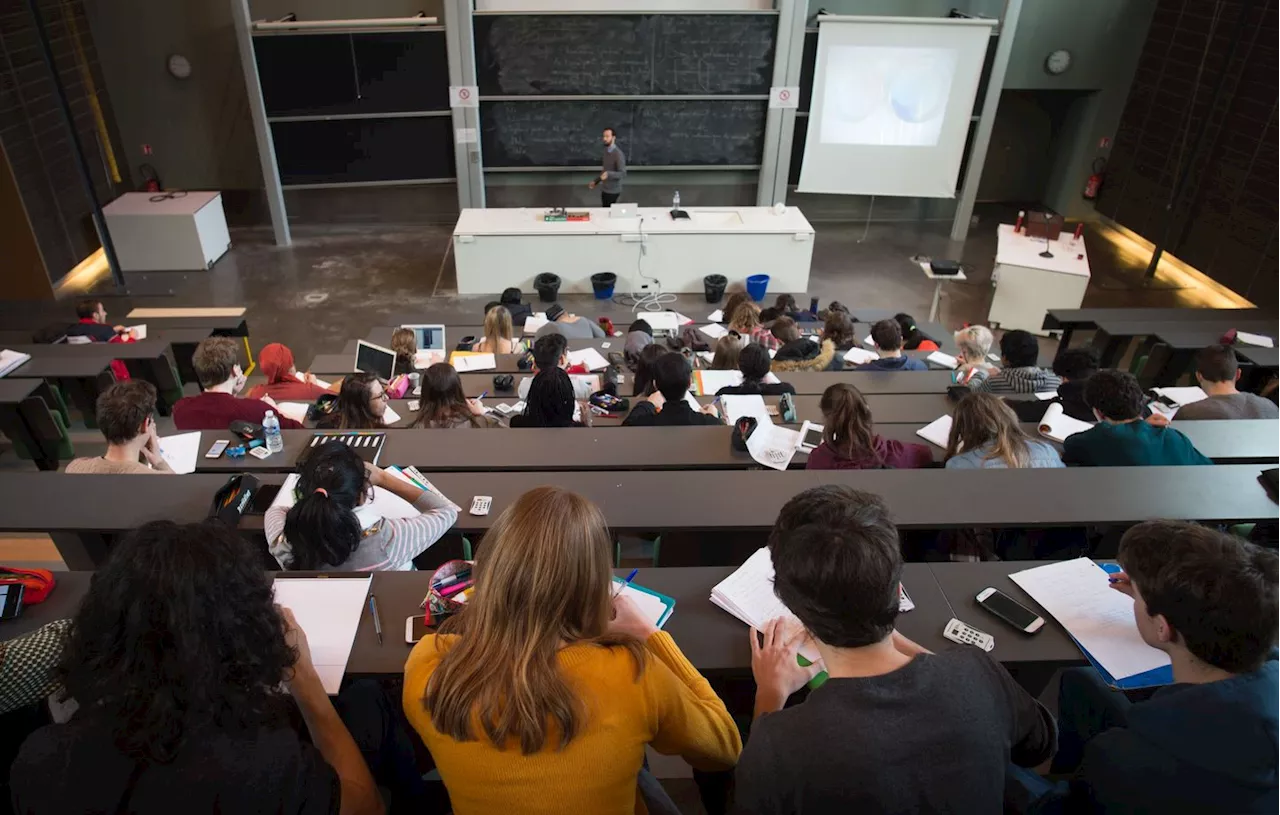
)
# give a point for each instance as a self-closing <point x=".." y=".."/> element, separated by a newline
<point x="389" y="544"/>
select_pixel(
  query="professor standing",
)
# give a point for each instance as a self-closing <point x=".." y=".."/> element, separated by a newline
<point x="613" y="170"/>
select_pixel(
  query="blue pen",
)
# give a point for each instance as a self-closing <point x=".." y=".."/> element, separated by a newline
<point x="626" y="582"/>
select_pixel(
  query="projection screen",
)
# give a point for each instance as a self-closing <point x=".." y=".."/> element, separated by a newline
<point x="892" y="98"/>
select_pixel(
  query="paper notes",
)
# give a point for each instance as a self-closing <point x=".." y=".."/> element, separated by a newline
<point x="1057" y="425"/>
<point x="181" y="451"/>
<point x="301" y="377"/>
<point x="773" y="446"/>
<point x="945" y="360"/>
<point x="466" y="361"/>
<point x="138" y="332"/>
<point x="328" y="610"/>
<point x="1254" y="339"/>
<point x="535" y="321"/>
<point x="735" y="407"/>
<point x="293" y="410"/>
<point x="390" y="417"/>
<point x="748" y="595"/>
<point x="9" y="360"/>
<point x="860" y="356"/>
<point x="1078" y="595"/>
<point x="1182" y="396"/>
<point x="938" y="431"/>
<point x="427" y="357"/>
<point x="715" y="331"/>
<point x="716" y="316"/>
<point x="589" y="357"/>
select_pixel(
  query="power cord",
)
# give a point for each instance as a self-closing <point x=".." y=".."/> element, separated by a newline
<point x="648" y="300"/>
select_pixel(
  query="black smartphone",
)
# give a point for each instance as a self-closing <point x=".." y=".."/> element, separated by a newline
<point x="1010" y="610"/>
<point x="11" y="600"/>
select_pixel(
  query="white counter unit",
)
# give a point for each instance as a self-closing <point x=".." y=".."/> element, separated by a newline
<point x="186" y="232"/>
<point x="497" y="248"/>
<point x="1028" y="285"/>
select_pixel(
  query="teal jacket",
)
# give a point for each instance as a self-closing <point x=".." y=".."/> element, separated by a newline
<point x="1134" y="444"/>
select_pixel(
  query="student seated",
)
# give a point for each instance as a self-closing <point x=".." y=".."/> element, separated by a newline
<point x="786" y="306"/>
<point x="499" y="333"/>
<point x="182" y="668"/>
<point x="276" y="363"/>
<point x="728" y="351"/>
<point x="849" y="440"/>
<point x="510" y="300"/>
<point x="746" y="321"/>
<point x="643" y="382"/>
<point x="912" y="339"/>
<point x="1121" y="438"/>
<point x="445" y="406"/>
<point x="125" y="414"/>
<point x="1074" y="366"/>
<point x="666" y="406"/>
<point x="92" y="322"/>
<point x="550" y="402"/>
<point x="541" y="695"/>
<point x="974" y="342"/>
<point x="985" y="435"/>
<point x="799" y="353"/>
<point x="1019" y="373"/>
<point x="217" y="366"/>
<point x="887" y="335"/>
<point x="895" y="728"/>
<point x="405" y="345"/>
<point x="1206" y="743"/>
<point x="569" y="326"/>
<point x="753" y="362"/>
<point x="1217" y="371"/>
<point x="333" y="528"/>
<point x="552" y="351"/>
<point x="838" y="328"/>
<point x="361" y="405"/>
<point x="639" y="336"/>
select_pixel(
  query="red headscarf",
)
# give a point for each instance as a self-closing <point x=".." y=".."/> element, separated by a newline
<point x="276" y="360"/>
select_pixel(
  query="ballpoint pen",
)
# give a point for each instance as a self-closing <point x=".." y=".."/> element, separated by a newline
<point x="626" y="582"/>
<point x="377" y="621"/>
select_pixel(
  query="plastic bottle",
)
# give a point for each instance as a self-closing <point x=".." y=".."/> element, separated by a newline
<point x="271" y="429"/>
<point x="675" y="202"/>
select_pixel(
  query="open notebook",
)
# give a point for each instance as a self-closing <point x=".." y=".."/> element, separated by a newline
<point x="9" y="360"/>
<point x="656" y="607"/>
<point x="1057" y="425"/>
<point x="328" y="610"/>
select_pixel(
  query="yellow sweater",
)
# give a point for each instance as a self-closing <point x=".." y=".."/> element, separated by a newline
<point x="671" y="707"/>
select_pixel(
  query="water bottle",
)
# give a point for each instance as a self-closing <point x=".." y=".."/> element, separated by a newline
<point x="271" y="429"/>
<point x="675" y="202"/>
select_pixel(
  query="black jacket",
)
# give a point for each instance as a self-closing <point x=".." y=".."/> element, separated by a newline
<point x="1070" y="396"/>
<point x="673" y="414"/>
<point x="519" y="312"/>
<point x="759" y="388"/>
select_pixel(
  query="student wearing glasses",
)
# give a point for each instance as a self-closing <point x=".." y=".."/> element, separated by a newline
<point x="361" y="405"/>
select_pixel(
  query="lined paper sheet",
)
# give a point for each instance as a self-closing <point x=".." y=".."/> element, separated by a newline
<point x="181" y="451"/>
<point x="1059" y="426"/>
<point x="860" y="356"/>
<point x="328" y="610"/>
<point x="945" y="360"/>
<point x="465" y="361"/>
<point x="715" y="331"/>
<point x="589" y="357"/>
<point x="736" y="407"/>
<point x="748" y="595"/>
<point x="1077" y="594"/>
<point x="293" y="410"/>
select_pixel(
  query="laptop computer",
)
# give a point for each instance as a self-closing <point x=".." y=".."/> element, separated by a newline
<point x="622" y="211"/>
<point x="374" y="359"/>
<point x="428" y="336"/>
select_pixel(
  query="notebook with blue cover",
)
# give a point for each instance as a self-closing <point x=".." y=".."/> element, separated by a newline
<point x="657" y="606"/>
<point x="1147" y="679"/>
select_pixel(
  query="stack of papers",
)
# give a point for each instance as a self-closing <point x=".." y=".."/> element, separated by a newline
<point x="466" y="361"/>
<point x="1254" y="339"/>
<point x="945" y="360"/>
<point x="715" y="331"/>
<point x="748" y="595"/>
<point x="328" y="610"/>
<point x="1182" y="396"/>
<point x="938" y="431"/>
<point x="860" y="356"/>
<point x="181" y="451"/>
<point x="1099" y="618"/>
<point x="10" y="360"/>
<point x="735" y="407"/>
<point x="1058" y="426"/>
<point x="589" y="357"/>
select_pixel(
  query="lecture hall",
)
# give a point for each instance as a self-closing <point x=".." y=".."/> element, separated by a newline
<point x="765" y="306"/>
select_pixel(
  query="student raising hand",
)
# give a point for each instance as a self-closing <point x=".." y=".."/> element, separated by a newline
<point x="773" y="664"/>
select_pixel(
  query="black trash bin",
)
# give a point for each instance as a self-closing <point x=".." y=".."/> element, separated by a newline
<point x="602" y="284"/>
<point x="548" y="286"/>
<point x="713" y="286"/>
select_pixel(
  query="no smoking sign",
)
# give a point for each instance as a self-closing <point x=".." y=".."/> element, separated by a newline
<point x="464" y="96"/>
<point x="784" y="97"/>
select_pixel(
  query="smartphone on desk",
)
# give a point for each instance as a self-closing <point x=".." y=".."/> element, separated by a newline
<point x="11" y="600"/>
<point x="415" y="628"/>
<point x="1010" y="610"/>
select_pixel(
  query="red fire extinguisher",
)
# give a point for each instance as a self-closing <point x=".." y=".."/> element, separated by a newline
<point x="1094" y="183"/>
<point x="150" y="178"/>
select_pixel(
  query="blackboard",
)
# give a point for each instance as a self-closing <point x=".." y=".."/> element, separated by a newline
<point x="328" y="74"/>
<point x="655" y="133"/>
<point x="350" y="150"/>
<point x="624" y="54"/>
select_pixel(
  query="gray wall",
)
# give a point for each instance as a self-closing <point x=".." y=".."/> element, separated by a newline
<point x="202" y="136"/>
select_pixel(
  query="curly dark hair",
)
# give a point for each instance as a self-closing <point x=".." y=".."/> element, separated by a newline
<point x="1115" y="394"/>
<point x="178" y="632"/>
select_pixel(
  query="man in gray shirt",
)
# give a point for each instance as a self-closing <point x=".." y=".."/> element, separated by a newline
<point x="613" y="170"/>
<point x="895" y="728"/>
<point x="1217" y="371"/>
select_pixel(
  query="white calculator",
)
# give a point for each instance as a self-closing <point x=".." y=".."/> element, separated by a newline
<point x="965" y="634"/>
<point x="480" y="504"/>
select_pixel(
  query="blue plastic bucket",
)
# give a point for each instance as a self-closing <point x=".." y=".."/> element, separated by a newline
<point x="757" y="285"/>
<point x="602" y="284"/>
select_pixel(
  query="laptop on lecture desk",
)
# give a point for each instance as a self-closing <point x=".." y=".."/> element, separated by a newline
<point x="429" y="337"/>
<point x="374" y="359"/>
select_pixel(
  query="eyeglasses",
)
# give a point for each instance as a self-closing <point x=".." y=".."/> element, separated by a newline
<point x="383" y="397"/>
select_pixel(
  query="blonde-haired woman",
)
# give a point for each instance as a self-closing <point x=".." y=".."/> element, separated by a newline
<point x="541" y="695"/>
<point x="974" y="342"/>
<point x="499" y="334"/>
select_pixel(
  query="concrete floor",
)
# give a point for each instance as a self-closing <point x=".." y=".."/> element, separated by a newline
<point x="337" y="281"/>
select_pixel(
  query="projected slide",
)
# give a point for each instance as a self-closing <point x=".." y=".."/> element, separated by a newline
<point x="892" y="101"/>
<point x="886" y="96"/>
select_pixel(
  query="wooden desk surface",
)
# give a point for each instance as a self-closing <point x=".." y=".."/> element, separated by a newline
<point x="13" y="390"/>
<point x="62" y="366"/>
<point x="150" y="348"/>
<point x="711" y="638"/>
